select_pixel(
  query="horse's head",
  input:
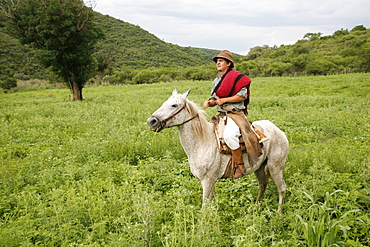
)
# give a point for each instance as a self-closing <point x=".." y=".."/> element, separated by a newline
<point x="173" y="112"/>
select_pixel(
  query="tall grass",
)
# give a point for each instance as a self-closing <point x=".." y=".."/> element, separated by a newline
<point x="91" y="173"/>
<point x="324" y="225"/>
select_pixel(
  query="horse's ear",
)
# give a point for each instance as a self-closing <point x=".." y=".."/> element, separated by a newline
<point x="175" y="91"/>
<point x="186" y="94"/>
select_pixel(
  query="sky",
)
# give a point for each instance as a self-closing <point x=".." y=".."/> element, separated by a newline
<point x="237" y="25"/>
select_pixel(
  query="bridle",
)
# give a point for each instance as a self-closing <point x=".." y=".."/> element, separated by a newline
<point x="163" y="122"/>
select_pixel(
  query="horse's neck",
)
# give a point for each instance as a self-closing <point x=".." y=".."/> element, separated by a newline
<point x="204" y="157"/>
<point x="191" y="142"/>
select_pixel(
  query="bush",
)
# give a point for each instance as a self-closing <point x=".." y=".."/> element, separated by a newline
<point x="278" y="69"/>
<point x="320" y="66"/>
<point x="145" y="76"/>
<point x="8" y="83"/>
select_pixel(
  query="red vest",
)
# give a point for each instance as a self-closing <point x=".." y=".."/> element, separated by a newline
<point x="231" y="83"/>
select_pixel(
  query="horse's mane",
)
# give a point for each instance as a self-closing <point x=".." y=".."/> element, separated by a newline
<point x="200" y="124"/>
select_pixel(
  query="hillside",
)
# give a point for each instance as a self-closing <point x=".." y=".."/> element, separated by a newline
<point x="343" y="52"/>
<point x="214" y="53"/>
<point x="127" y="45"/>
<point x="16" y="59"/>
<point x="129" y="54"/>
<point x="136" y="48"/>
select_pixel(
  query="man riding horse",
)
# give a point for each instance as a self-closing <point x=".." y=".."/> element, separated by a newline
<point x="230" y="92"/>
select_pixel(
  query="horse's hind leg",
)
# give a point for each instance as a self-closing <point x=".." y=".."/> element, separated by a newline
<point x="263" y="178"/>
<point x="276" y="173"/>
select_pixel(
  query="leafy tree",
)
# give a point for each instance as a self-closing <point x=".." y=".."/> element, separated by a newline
<point x="248" y="67"/>
<point x="320" y="66"/>
<point x="7" y="82"/>
<point x="341" y="32"/>
<point x="300" y="62"/>
<point x="205" y="72"/>
<point x="301" y="49"/>
<point x="258" y="51"/>
<point x="312" y="36"/>
<point x="63" y="31"/>
<point x="277" y="69"/>
<point x="358" y="28"/>
<point x="145" y="76"/>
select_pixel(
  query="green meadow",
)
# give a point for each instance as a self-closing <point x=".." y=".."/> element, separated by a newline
<point x="90" y="173"/>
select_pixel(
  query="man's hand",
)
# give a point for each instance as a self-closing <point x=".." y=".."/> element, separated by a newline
<point x="209" y="103"/>
<point x="232" y="99"/>
<point x="220" y="101"/>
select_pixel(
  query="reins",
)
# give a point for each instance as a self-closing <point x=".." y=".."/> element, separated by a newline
<point x="163" y="122"/>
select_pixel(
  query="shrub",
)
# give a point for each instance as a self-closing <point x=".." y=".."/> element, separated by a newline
<point x="8" y="83"/>
<point x="320" y="66"/>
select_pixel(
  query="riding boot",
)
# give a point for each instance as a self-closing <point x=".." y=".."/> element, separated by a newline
<point x="239" y="169"/>
<point x="261" y="137"/>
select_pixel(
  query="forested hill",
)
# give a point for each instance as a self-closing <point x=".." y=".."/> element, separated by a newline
<point x="133" y="55"/>
<point x="127" y="45"/>
<point x="343" y="52"/>
<point x="136" y="48"/>
<point x="17" y="60"/>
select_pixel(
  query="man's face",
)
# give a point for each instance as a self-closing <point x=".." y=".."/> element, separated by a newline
<point x="222" y="65"/>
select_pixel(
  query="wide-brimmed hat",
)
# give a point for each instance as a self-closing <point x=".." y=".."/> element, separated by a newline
<point x="225" y="54"/>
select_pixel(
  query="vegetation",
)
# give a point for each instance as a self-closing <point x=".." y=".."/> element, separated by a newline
<point x="342" y="52"/>
<point x="95" y="175"/>
<point x="17" y="61"/>
<point x="135" y="48"/>
<point x="64" y="33"/>
<point x="126" y="50"/>
<point x="131" y="55"/>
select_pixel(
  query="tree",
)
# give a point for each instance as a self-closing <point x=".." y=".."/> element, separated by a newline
<point x="320" y="66"/>
<point x="312" y="36"/>
<point x="278" y="69"/>
<point x="258" y="51"/>
<point x="63" y="32"/>
<point x="301" y="49"/>
<point x="358" y="28"/>
<point x="341" y="32"/>
<point x="7" y="82"/>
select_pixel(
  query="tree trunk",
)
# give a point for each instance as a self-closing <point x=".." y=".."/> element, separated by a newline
<point x="77" y="91"/>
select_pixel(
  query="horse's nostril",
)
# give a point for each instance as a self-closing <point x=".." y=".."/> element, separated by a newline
<point x="153" y="122"/>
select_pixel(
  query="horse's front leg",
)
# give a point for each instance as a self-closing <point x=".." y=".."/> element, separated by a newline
<point x="208" y="185"/>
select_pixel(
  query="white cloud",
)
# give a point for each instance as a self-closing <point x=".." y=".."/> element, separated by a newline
<point x="240" y="24"/>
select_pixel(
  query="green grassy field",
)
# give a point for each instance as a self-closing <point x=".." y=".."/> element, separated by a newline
<point x="90" y="173"/>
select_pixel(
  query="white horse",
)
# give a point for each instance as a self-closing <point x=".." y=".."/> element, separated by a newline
<point x="200" y="144"/>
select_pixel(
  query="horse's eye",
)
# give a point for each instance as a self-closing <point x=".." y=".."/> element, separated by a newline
<point x="174" y="105"/>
